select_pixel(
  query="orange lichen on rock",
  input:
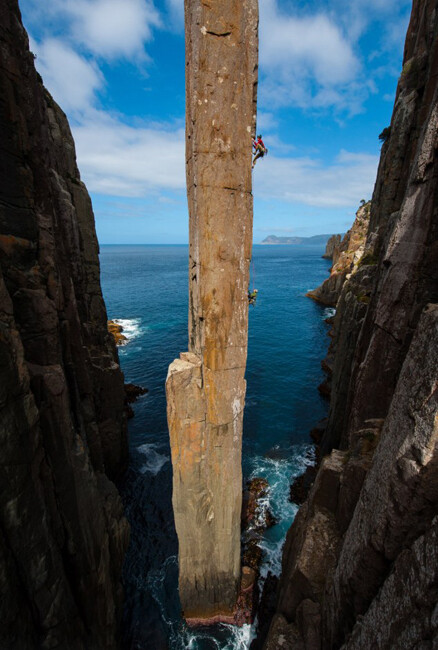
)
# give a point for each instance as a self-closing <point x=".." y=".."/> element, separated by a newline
<point x="116" y="330"/>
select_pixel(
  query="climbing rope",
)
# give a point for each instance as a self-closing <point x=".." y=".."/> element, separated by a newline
<point x="253" y="273"/>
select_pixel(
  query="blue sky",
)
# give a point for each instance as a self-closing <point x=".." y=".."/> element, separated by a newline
<point x="328" y="74"/>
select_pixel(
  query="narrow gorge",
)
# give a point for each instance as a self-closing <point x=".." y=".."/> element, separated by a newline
<point x="360" y="562"/>
<point x="206" y="386"/>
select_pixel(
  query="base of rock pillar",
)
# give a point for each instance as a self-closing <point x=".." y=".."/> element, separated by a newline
<point x="212" y="620"/>
<point x="244" y="612"/>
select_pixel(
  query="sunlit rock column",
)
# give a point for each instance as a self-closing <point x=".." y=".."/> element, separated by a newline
<point x="206" y="387"/>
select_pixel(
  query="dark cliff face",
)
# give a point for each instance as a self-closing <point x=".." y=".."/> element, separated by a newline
<point x="401" y="251"/>
<point x="360" y="565"/>
<point x="62" y="427"/>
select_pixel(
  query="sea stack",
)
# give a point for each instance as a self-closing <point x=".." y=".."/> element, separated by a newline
<point x="206" y="386"/>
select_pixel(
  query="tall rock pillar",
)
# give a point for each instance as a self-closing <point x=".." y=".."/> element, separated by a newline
<point x="206" y="386"/>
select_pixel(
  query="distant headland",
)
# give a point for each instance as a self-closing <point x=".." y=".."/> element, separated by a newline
<point x="316" y="239"/>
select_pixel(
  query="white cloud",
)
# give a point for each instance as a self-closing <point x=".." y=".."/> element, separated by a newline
<point x="307" y="180"/>
<point x="306" y="61"/>
<point x="313" y="59"/>
<point x="72" y="80"/>
<point x="111" y="28"/>
<point x="312" y="45"/>
<point x="114" y="158"/>
<point x="176" y="13"/>
<point x="118" y="159"/>
<point x="266" y="120"/>
<point x="356" y="17"/>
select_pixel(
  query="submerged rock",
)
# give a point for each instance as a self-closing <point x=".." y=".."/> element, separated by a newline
<point x="132" y="393"/>
<point x="256" y="516"/>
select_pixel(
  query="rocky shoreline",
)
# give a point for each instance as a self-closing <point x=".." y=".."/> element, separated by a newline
<point x="115" y="329"/>
<point x="346" y="255"/>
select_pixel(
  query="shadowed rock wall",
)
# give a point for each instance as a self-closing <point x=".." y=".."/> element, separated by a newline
<point x="206" y="387"/>
<point x="62" y="427"/>
<point x="360" y="565"/>
<point x="401" y="253"/>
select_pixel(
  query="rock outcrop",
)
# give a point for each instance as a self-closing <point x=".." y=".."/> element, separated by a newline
<point x="206" y="387"/>
<point x="332" y="248"/>
<point x="62" y="427"/>
<point x="115" y="329"/>
<point x="346" y="256"/>
<point x="360" y="566"/>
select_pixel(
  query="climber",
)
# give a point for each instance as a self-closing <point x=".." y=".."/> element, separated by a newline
<point x="252" y="296"/>
<point x="259" y="149"/>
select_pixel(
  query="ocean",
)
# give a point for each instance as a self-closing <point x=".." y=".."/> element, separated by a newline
<point x="145" y="289"/>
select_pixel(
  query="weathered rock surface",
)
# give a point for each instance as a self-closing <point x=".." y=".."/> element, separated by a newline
<point x="380" y="500"/>
<point x="346" y="256"/>
<point x="332" y="249"/>
<point x="399" y="267"/>
<point x="206" y="387"/>
<point x="62" y="426"/>
<point x="406" y="608"/>
<point x="348" y="260"/>
<point x="391" y="514"/>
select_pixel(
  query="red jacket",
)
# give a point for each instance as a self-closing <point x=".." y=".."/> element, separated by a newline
<point x="257" y="143"/>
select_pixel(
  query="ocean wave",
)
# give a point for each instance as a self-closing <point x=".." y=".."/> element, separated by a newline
<point x="237" y="638"/>
<point x="328" y="312"/>
<point x="279" y="471"/>
<point x="272" y="557"/>
<point x="155" y="581"/>
<point x="154" y="461"/>
<point x="131" y="327"/>
<point x="241" y="637"/>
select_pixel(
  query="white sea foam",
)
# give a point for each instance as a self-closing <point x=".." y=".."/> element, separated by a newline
<point x="272" y="556"/>
<point x="328" y="312"/>
<point x="241" y="637"/>
<point x="154" y="460"/>
<point x="131" y="327"/>
<point x="155" y="582"/>
<point x="279" y="472"/>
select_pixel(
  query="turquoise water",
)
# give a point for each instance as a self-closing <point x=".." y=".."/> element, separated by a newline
<point x="145" y="287"/>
